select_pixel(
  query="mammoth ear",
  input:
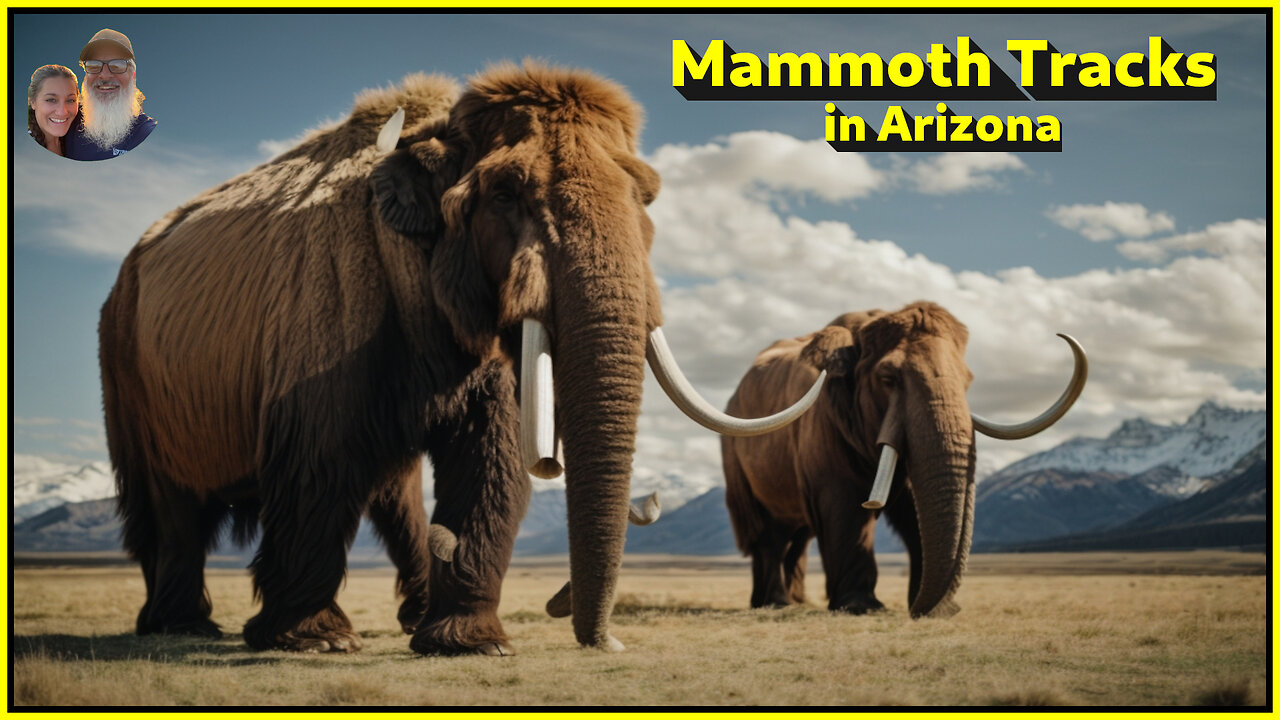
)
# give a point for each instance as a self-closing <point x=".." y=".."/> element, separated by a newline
<point x="647" y="180"/>
<point x="461" y="288"/>
<point x="830" y="349"/>
<point x="408" y="183"/>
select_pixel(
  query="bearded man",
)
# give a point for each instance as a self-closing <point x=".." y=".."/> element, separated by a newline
<point x="110" y="100"/>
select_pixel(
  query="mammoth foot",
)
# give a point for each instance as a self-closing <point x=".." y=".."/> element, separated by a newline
<point x="423" y="644"/>
<point x="348" y="642"/>
<point x="412" y="611"/>
<point x="860" y="604"/>
<point x="462" y="635"/>
<point x="610" y="644"/>
<point x="326" y="631"/>
<point x="200" y="627"/>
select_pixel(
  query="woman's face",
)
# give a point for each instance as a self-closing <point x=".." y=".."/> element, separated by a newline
<point x="56" y="104"/>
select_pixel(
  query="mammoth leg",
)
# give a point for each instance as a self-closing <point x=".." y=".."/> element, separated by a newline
<point x="482" y="491"/>
<point x="901" y="513"/>
<point x="168" y="533"/>
<point x="766" y="572"/>
<point x="311" y="507"/>
<point x="297" y="573"/>
<point x="846" y="536"/>
<point x="773" y="568"/>
<point x="400" y="520"/>
<point x="794" y="564"/>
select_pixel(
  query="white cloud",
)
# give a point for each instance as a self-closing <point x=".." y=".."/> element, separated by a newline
<point x="1238" y="238"/>
<point x="771" y="160"/>
<point x="1161" y="340"/>
<point x="1106" y="221"/>
<point x="102" y="208"/>
<point x="950" y="173"/>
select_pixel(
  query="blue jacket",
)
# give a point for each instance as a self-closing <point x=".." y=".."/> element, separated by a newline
<point x="78" y="147"/>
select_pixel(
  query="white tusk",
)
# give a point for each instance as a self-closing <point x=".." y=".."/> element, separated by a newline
<point x="537" y="403"/>
<point x="889" y="440"/>
<point x="1053" y="414"/>
<point x="647" y="515"/>
<point x="389" y="135"/>
<point x="884" y="476"/>
<point x="677" y="387"/>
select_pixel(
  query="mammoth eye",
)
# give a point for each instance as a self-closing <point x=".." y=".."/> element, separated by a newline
<point x="503" y="196"/>
<point x="888" y="380"/>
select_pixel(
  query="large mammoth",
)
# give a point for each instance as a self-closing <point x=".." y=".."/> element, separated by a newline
<point x="896" y="385"/>
<point x="279" y="352"/>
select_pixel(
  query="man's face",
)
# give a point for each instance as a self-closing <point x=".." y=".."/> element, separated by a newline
<point x="106" y="86"/>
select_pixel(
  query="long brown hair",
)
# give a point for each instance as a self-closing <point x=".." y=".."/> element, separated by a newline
<point x="42" y="73"/>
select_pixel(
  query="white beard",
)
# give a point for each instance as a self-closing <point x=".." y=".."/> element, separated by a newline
<point x="107" y="122"/>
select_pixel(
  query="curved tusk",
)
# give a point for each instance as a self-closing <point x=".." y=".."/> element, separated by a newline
<point x="647" y="515"/>
<point x="561" y="604"/>
<point x="442" y="542"/>
<point x="537" y="403"/>
<point x="677" y="387"/>
<point x="1053" y="414"/>
<point x="389" y="135"/>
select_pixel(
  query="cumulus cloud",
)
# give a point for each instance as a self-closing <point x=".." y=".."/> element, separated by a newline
<point x="771" y="160"/>
<point x="1109" y="220"/>
<point x="740" y="274"/>
<point x="950" y="173"/>
<point x="1238" y="238"/>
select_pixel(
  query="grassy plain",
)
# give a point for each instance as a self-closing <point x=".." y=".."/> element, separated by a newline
<point x="1135" y="629"/>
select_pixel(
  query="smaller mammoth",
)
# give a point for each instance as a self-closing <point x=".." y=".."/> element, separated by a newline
<point x="896" y="387"/>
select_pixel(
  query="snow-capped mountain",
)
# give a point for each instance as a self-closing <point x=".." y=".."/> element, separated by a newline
<point x="1083" y="485"/>
<point x="40" y="484"/>
<point x="1091" y="485"/>
<point x="1209" y="442"/>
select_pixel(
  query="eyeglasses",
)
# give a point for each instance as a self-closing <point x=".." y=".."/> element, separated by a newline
<point x="118" y="67"/>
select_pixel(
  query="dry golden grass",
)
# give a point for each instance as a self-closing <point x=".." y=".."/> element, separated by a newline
<point x="1067" y="631"/>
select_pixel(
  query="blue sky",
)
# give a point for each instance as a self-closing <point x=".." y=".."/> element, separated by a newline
<point x="1143" y="237"/>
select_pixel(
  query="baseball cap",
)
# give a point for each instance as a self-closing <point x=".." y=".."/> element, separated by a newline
<point x="107" y="36"/>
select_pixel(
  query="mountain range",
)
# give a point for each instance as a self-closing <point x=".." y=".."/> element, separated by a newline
<point x="1202" y="483"/>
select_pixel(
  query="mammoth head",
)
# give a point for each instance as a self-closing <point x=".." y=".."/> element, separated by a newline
<point x="876" y="353"/>
<point x="534" y="168"/>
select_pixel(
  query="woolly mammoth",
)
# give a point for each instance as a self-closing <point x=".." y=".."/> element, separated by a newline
<point x="279" y="352"/>
<point x="896" y="388"/>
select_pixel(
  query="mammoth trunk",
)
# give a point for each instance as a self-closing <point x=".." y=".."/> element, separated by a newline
<point x="943" y="487"/>
<point x="599" y="373"/>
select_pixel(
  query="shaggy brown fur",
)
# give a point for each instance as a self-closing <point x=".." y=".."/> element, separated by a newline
<point x="283" y="348"/>
<point x="809" y="479"/>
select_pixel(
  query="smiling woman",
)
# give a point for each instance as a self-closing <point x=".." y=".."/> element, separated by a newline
<point x="53" y="105"/>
